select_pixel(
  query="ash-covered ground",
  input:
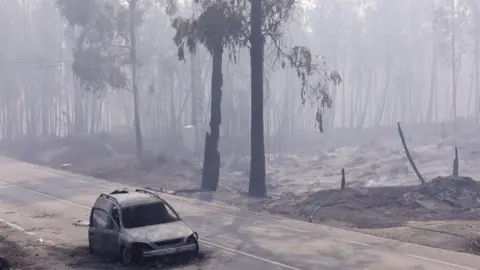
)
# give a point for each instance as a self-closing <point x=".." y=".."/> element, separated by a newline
<point x="383" y="196"/>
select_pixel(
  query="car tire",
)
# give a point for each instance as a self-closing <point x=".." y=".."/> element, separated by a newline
<point x="130" y="256"/>
<point x="189" y="256"/>
<point x="90" y="248"/>
<point x="195" y="253"/>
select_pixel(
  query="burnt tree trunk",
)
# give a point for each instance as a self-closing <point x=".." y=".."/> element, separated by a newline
<point x="455" y="162"/>
<point x="409" y="156"/>
<point x="211" y="161"/>
<point x="257" y="184"/>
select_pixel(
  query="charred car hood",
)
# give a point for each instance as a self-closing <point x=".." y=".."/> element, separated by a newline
<point x="161" y="232"/>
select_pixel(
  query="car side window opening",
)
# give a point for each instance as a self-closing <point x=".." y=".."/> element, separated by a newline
<point x="147" y="215"/>
<point x="100" y="219"/>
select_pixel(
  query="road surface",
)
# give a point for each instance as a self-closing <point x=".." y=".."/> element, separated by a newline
<point x="44" y="203"/>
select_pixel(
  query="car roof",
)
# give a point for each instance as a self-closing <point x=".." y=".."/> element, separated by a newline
<point x="134" y="198"/>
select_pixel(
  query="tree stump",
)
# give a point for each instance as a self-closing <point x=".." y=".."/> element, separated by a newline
<point x="455" y="162"/>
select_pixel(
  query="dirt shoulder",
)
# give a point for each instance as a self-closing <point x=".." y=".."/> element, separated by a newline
<point x="18" y="250"/>
<point x="21" y="251"/>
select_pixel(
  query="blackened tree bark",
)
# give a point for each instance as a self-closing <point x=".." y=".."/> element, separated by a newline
<point x="211" y="161"/>
<point x="219" y="26"/>
<point x="257" y="184"/>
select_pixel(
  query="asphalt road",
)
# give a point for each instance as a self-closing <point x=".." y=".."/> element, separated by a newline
<point x="45" y="202"/>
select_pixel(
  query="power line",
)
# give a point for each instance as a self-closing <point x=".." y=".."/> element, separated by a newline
<point x="35" y="64"/>
<point x="26" y="65"/>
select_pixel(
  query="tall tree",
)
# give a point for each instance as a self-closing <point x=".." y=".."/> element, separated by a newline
<point x="105" y="46"/>
<point x="268" y="19"/>
<point x="454" y="70"/>
<point x="257" y="184"/>
<point x="219" y="26"/>
<point x="133" y="23"/>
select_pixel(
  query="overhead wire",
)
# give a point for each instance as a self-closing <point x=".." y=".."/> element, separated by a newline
<point x="30" y="64"/>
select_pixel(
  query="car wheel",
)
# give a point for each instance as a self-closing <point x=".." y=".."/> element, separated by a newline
<point x="130" y="256"/>
<point x="90" y="248"/>
<point x="4" y="264"/>
<point x="195" y="253"/>
<point x="189" y="255"/>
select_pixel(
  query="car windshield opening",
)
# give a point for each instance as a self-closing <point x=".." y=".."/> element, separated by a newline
<point x="146" y="215"/>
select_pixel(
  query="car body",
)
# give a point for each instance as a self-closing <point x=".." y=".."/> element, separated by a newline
<point x="136" y="225"/>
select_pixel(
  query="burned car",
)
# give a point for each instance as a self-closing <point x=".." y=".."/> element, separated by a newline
<point x="133" y="225"/>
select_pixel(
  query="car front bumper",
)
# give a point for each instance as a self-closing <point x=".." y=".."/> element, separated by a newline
<point x="169" y="251"/>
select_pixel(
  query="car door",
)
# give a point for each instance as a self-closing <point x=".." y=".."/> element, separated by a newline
<point x="98" y="225"/>
<point x="98" y="230"/>
<point x="111" y="239"/>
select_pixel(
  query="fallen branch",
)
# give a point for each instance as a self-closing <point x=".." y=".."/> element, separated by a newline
<point x="410" y="159"/>
<point x="334" y="196"/>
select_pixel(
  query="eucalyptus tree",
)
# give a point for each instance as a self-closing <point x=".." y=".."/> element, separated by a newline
<point x="106" y="45"/>
<point x="220" y="25"/>
<point x="268" y="20"/>
<point x="31" y="70"/>
<point x="240" y="23"/>
<point x="452" y="19"/>
<point x="474" y="33"/>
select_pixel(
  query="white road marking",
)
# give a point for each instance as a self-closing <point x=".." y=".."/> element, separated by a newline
<point x="15" y="226"/>
<point x="94" y="184"/>
<point x="250" y="255"/>
<point x="352" y="242"/>
<point x="264" y="222"/>
<point x="44" y="195"/>
<point x="201" y="240"/>
<point x="233" y="250"/>
<point x="23" y="230"/>
<point x="439" y="262"/>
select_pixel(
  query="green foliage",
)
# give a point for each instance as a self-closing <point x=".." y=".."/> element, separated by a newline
<point x="277" y="14"/>
<point x="220" y="25"/>
<point x="230" y="22"/>
<point x="101" y="54"/>
<point x="454" y="21"/>
<point x="78" y="13"/>
<point x="97" y="70"/>
<point x="300" y="59"/>
<point x="315" y="78"/>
